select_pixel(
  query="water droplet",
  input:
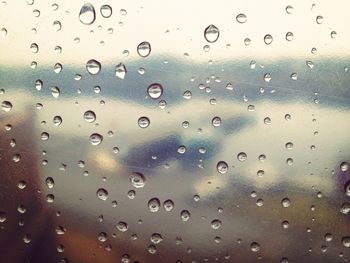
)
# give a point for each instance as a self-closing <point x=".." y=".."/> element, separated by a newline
<point x="215" y="224"/>
<point x="241" y="18"/>
<point x="57" y="25"/>
<point x="50" y="182"/>
<point x="3" y="32"/>
<point x="55" y="92"/>
<point x="102" y="237"/>
<point x="152" y="249"/>
<point x="57" y="120"/>
<point x="3" y="217"/>
<point x="290" y="161"/>
<point x="120" y="71"/>
<point x="345" y="208"/>
<point x="34" y="48"/>
<point x="310" y="64"/>
<point x="168" y="205"/>
<point x="285" y="202"/>
<point x="285" y="224"/>
<point x="185" y="215"/>
<point x="89" y="116"/>
<point x="319" y="19"/>
<point x="6" y="106"/>
<point x="289" y="9"/>
<point x="333" y="34"/>
<point x="242" y="156"/>
<point x="102" y="194"/>
<point x="346" y="241"/>
<point x="216" y="121"/>
<point x="95" y="139"/>
<point x="57" y="68"/>
<point x="181" y="149"/>
<point x="27" y="238"/>
<point x="155" y="90"/>
<point x="187" y="95"/>
<point x="122" y="226"/>
<point x="268" y="39"/>
<point x="143" y="122"/>
<point x="87" y="14"/>
<point x="156" y="238"/>
<point x="289" y="145"/>
<point x="106" y="11"/>
<point x="93" y="66"/>
<point x="144" y="49"/>
<point x="211" y="33"/>
<point x="289" y="36"/>
<point x="222" y="167"/>
<point x="137" y="180"/>
<point x="45" y="136"/>
<point x="328" y="237"/>
<point x="255" y="247"/>
<point x="347" y="188"/>
<point x="154" y="205"/>
<point x="267" y="121"/>
<point x="344" y="166"/>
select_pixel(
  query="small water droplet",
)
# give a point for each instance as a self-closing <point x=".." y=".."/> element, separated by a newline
<point x="344" y="166"/>
<point x="154" y="205"/>
<point x="57" y="26"/>
<point x="34" y="48"/>
<point x="319" y="19"/>
<point x="289" y="9"/>
<point x="289" y="36"/>
<point x="55" y="92"/>
<point x="106" y="11"/>
<point x="57" y="120"/>
<point x="144" y="49"/>
<point x="346" y="241"/>
<point x="268" y="39"/>
<point x="222" y="167"/>
<point x="255" y="247"/>
<point x="102" y="194"/>
<point x="50" y="182"/>
<point x="93" y="66"/>
<point x="155" y="90"/>
<point x="120" y="71"/>
<point x="137" y="180"/>
<point x="168" y="205"/>
<point x="241" y="18"/>
<point x="95" y="139"/>
<point x="156" y="238"/>
<point x="143" y="122"/>
<point x="216" y="121"/>
<point x="122" y="226"/>
<point x="185" y="215"/>
<point x="87" y="14"/>
<point x="6" y="106"/>
<point x="89" y="116"/>
<point x="215" y="224"/>
<point x="211" y="33"/>
<point x="285" y="202"/>
<point x="242" y="156"/>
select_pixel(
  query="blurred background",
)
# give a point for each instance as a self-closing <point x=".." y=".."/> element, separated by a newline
<point x="153" y="131"/>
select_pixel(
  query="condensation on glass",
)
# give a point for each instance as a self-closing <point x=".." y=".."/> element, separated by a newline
<point x="174" y="131"/>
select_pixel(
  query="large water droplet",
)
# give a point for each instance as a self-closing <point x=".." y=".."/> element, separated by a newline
<point x="96" y="139"/>
<point x="93" y="66"/>
<point x="120" y="71"/>
<point x="57" y="120"/>
<point x="144" y="49"/>
<point x="87" y="14"/>
<point x="102" y="194"/>
<point x="211" y="33"/>
<point x="155" y="90"/>
<point x="185" y="215"/>
<point x="242" y="156"/>
<point x="255" y="247"/>
<point x="122" y="226"/>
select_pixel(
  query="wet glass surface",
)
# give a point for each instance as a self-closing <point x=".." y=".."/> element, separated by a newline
<point x="155" y="131"/>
